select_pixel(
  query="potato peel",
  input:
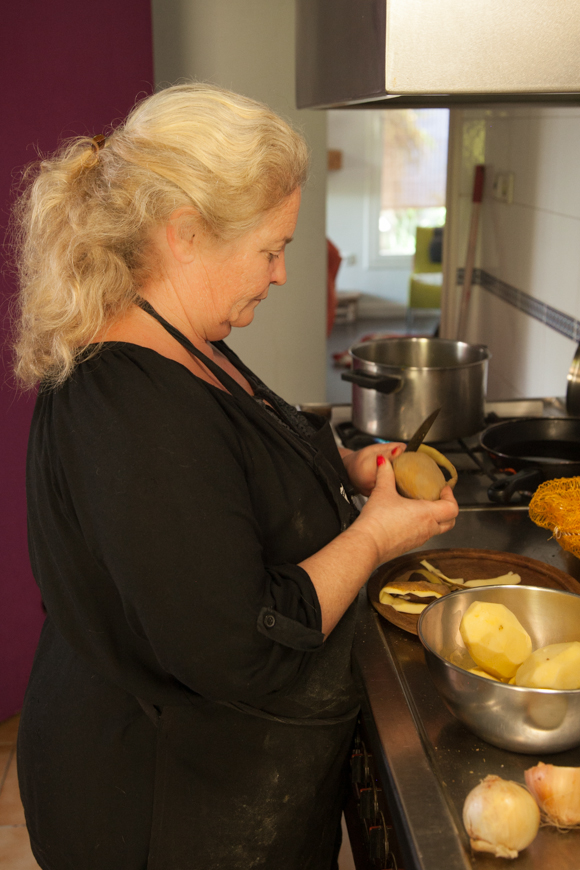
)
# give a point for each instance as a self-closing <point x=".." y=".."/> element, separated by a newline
<point x="509" y="579"/>
<point x="442" y="461"/>
<point x="458" y="581"/>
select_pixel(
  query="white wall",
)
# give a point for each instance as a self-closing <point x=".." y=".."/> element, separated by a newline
<point x="248" y="46"/>
<point x="532" y="244"/>
<point x="347" y="224"/>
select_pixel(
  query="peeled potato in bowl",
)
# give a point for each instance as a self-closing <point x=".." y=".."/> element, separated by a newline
<point x="556" y="666"/>
<point x="495" y="638"/>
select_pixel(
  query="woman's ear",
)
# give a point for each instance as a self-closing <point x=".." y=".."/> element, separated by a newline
<point x="180" y="232"/>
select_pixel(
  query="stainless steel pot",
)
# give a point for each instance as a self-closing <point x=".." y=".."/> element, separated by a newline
<point x="397" y="382"/>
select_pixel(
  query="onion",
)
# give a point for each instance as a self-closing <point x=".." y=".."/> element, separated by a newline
<point x="500" y="817"/>
<point x="557" y="791"/>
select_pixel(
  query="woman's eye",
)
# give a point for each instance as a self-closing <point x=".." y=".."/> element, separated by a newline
<point x="272" y="257"/>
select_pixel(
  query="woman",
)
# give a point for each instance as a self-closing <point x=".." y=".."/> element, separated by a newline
<point x="194" y="537"/>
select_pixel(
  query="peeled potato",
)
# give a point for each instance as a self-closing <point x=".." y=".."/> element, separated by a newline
<point x="418" y="475"/>
<point x="495" y="639"/>
<point x="556" y="666"/>
<point x="481" y="673"/>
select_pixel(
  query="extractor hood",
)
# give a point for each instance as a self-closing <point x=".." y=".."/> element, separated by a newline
<point x="400" y="53"/>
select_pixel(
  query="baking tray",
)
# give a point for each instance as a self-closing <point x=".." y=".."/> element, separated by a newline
<point x="470" y="564"/>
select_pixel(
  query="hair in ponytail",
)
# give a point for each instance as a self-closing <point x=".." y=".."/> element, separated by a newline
<point x="83" y="223"/>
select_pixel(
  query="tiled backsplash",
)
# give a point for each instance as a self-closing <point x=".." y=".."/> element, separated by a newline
<point x="525" y="304"/>
<point x="558" y="320"/>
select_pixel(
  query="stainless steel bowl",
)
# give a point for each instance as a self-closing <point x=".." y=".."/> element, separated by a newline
<point x="521" y="720"/>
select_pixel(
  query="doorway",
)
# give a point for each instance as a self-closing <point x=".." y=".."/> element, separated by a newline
<point x="387" y="176"/>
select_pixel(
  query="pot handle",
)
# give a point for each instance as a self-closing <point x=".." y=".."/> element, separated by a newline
<point x="526" y="480"/>
<point x="380" y="383"/>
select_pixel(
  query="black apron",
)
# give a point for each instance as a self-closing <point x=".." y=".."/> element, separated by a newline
<point x="276" y="804"/>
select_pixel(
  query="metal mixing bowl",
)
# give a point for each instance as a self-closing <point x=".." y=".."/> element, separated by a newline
<point x="521" y="720"/>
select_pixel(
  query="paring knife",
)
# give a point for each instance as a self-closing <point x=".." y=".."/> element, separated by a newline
<point x="417" y="439"/>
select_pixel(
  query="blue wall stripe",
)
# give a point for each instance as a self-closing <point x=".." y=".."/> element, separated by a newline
<point x="562" y="323"/>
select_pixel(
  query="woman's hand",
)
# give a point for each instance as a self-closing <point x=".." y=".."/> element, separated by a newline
<point x="397" y="524"/>
<point x="361" y="465"/>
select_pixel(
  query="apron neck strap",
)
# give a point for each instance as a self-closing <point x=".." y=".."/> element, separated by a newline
<point x="226" y="380"/>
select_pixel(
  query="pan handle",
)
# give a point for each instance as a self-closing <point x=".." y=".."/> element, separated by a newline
<point x="526" y="480"/>
<point x="380" y="383"/>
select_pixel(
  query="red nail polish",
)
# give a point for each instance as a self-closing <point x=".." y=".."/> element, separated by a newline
<point x="381" y="460"/>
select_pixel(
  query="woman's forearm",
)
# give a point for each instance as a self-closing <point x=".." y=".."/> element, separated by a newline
<point x="388" y="526"/>
<point x="339" y="570"/>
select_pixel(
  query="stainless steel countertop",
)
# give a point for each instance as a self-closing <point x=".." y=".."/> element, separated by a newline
<point x="426" y="759"/>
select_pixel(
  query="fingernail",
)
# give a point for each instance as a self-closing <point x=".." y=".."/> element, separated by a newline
<point x="381" y="460"/>
<point x="396" y="451"/>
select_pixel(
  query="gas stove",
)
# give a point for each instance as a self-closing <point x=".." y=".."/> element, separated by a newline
<point x="476" y="471"/>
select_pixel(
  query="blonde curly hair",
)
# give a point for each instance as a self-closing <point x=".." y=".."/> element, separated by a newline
<point x="83" y="221"/>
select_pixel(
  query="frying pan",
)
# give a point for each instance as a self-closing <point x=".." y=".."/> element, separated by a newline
<point x="536" y="448"/>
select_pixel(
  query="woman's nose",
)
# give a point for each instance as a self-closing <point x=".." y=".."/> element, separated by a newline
<point x="279" y="271"/>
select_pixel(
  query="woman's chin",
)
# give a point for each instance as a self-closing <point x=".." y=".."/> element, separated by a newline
<point x="244" y="318"/>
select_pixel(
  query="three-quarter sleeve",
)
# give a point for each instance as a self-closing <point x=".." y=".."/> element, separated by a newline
<point x="182" y="514"/>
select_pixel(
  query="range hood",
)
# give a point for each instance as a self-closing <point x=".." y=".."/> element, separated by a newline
<point x="404" y="53"/>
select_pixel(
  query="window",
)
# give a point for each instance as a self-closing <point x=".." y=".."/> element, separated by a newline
<point x="408" y="187"/>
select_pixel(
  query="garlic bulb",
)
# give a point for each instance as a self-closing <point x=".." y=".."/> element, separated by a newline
<point x="500" y="817"/>
<point x="557" y="791"/>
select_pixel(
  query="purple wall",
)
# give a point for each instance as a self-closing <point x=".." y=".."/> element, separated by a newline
<point x="67" y="68"/>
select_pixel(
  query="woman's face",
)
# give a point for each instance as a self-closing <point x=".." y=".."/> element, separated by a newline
<point x="237" y="275"/>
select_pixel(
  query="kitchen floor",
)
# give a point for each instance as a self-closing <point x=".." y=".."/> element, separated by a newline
<point x="15" y="852"/>
<point x="345" y="859"/>
<point x="344" y="335"/>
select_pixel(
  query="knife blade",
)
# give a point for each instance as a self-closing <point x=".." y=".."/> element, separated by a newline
<point x="417" y="439"/>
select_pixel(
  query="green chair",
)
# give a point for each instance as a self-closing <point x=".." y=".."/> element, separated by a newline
<point x="426" y="279"/>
